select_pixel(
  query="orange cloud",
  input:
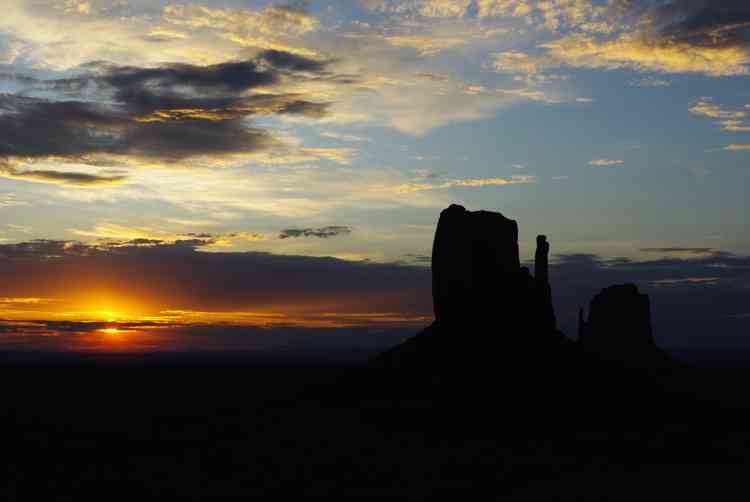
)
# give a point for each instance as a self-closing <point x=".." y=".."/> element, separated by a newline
<point x="634" y="51"/>
<point x="471" y="183"/>
<point x="606" y="162"/>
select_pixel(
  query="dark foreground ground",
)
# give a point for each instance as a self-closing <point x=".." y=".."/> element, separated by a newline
<point x="200" y="429"/>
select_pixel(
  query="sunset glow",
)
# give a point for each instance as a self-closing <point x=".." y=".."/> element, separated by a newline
<point x="112" y="331"/>
<point x="279" y="165"/>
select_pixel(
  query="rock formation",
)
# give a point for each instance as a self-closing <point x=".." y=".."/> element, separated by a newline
<point x="491" y="312"/>
<point x="544" y="291"/>
<point x="619" y="316"/>
<point x="475" y="266"/>
<point x="481" y="293"/>
<point x="619" y="326"/>
<point x="477" y="278"/>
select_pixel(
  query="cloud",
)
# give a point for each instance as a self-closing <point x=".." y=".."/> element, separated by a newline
<point x="70" y="179"/>
<point x="425" y="45"/>
<point x="531" y="95"/>
<point x="9" y="50"/>
<point x="550" y="15"/>
<point x="680" y="250"/>
<point x="631" y="51"/>
<point x="27" y="301"/>
<point x="338" y="155"/>
<point x="470" y="183"/>
<point x="321" y="233"/>
<point x="193" y="222"/>
<point x="606" y="162"/>
<point x="650" y="81"/>
<point x="48" y="34"/>
<point x="445" y="8"/>
<point x="161" y="34"/>
<point x="707" y="108"/>
<point x="275" y="27"/>
<point x="272" y="21"/>
<point x="162" y="115"/>
<point x="10" y="199"/>
<point x="702" y="22"/>
<point x="292" y="62"/>
<point x="219" y="281"/>
<point x="111" y="235"/>
<point x="532" y="68"/>
<point x="344" y="137"/>
<point x="416" y="105"/>
<point x="729" y="120"/>
<point x="675" y="36"/>
<point x="737" y="147"/>
<point x="286" y="192"/>
<point x="686" y="280"/>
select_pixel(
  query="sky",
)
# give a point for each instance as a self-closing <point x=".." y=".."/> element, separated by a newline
<point x="270" y="167"/>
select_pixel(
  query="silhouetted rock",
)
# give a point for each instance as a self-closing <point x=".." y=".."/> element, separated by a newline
<point x="490" y="312"/>
<point x="619" y="326"/>
<point x="486" y="305"/>
<point x="619" y="317"/>
<point x="475" y="265"/>
<point x="547" y="319"/>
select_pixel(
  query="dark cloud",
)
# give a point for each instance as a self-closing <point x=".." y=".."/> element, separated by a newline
<point x="168" y="113"/>
<point x="322" y="233"/>
<point x="32" y="127"/>
<point x="675" y="250"/>
<point x="45" y="249"/>
<point x="179" y="275"/>
<point x="219" y="79"/>
<point x="173" y="141"/>
<point x="417" y="258"/>
<point x="708" y="23"/>
<point x="306" y="108"/>
<point x="72" y="179"/>
<point x="36" y="128"/>
<point x="294" y="62"/>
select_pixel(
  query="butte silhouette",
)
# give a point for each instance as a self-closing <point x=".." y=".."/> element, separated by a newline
<point x="490" y="310"/>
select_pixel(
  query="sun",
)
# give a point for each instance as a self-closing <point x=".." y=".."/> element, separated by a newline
<point x="111" y="331"/>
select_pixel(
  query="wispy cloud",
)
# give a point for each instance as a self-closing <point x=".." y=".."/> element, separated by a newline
<point x="729" y="120"/>
<point x="650" y="81"/>
<point x="27" y="301"/>
<point x="606" y="162"/>
<point x="64" y="178"/>
<point x="680" y="251"/>
<point x="686" y="281"/>
<point x="466" y="183"/>
<point x="10" y="199"/>
<point x="344" y="136"/>
<point x="320" y="233"/>
<point x="110" y="234"/>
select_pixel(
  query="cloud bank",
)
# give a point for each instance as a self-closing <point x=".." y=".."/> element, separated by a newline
<point x="176" y="114"/>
